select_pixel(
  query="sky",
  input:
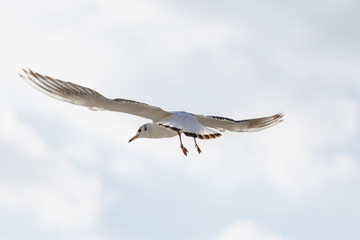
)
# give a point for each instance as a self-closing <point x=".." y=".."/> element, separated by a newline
<point x="69" y="173"/>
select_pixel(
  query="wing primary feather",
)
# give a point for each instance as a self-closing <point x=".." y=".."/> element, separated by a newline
<point x="39" y="84"/>
<point x="48" y="87"/>
<point x="49" y="84"/>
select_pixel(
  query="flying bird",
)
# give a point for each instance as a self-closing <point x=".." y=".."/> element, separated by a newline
<point x="164" y="124"/>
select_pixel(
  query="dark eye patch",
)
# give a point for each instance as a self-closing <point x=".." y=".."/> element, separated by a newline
<point x="145" y="128"/>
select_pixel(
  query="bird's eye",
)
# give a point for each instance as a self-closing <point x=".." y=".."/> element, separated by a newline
<point x="139" y="130"/>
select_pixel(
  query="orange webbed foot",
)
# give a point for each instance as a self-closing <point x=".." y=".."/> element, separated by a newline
<point x="185" y="151"/>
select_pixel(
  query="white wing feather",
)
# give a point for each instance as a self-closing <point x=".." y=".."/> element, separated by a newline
<point x="87" y="97"/>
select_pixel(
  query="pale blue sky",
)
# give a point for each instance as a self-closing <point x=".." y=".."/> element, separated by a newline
<point x="69" y="173"/>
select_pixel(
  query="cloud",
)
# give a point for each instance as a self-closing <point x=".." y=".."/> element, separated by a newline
<point x="249" y="231"/>
<point x="239" y="60"/>
<point x="36" y="180"/>
<point x="301" y="142"/>
<point x="305" y="153"/>
<point x="16" y="133"/>
<point x="313" y="154"/>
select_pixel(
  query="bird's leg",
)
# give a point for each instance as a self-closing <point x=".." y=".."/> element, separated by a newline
<point x="185" y="151"/>
<point x="197" y="147"/>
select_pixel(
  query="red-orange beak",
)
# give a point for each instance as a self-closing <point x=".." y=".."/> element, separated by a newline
<point x="132" y="139"/>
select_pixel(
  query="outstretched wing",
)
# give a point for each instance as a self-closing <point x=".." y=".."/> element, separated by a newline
<point x="249" y="125"/>
<point x="87" y="97"/>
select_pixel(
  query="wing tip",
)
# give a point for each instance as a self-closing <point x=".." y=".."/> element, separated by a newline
<point x="279" y="117"/>
<point x="24" y="71"/>
<point x="28" y="73"/>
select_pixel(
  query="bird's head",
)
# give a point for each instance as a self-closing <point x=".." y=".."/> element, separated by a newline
<point x="143" y="132"/>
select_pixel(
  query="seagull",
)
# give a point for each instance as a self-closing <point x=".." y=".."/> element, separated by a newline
<point x="164" y="124"/>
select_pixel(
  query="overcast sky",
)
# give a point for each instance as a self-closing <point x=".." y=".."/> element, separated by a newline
<point x="70" y="173"/>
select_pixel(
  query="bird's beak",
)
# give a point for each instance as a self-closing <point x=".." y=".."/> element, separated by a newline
<point x="133" y="138"/>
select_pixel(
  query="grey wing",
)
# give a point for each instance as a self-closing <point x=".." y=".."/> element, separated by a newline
<point x="87" y="97"/>
<point x="248" y="125"/>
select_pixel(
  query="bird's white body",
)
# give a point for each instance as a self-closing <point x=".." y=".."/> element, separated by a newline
<point x="164" y="124"/>
<point x="168" y="126"/>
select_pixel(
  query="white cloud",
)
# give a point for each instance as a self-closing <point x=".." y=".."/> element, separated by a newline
<point x="310" y="151"/>
<point x="247" y="230"/>
<point x="68" y="200"/>
<point x="17" y="133"/>
<point x="305" y="153"/>
<point x="36" y="179"/>
<point x="299" y="152"/>
<point x="257" y="59"/>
